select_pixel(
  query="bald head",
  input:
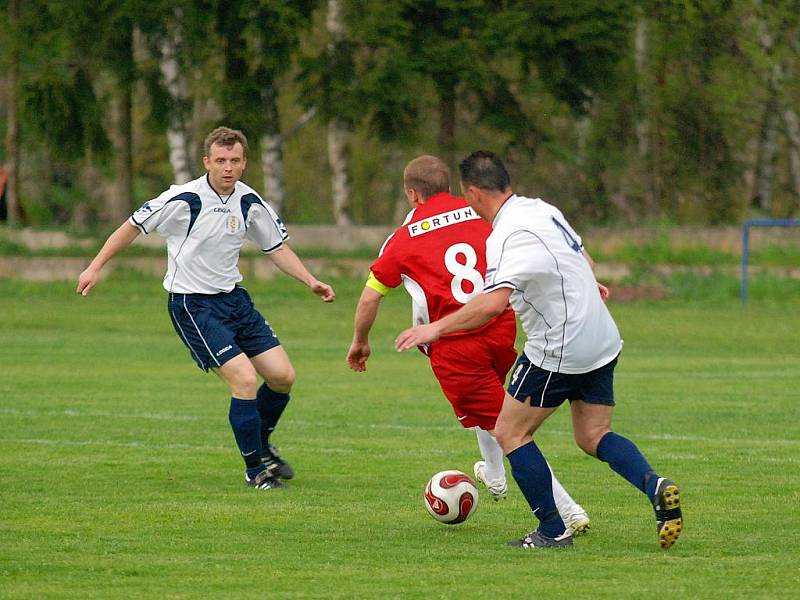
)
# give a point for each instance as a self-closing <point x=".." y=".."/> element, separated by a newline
<point x="427" y="175"/>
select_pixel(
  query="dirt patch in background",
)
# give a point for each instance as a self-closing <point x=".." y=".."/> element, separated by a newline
<point x="634" y="293"/>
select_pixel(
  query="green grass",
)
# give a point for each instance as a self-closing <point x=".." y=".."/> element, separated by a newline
<point x="120" y="477"/>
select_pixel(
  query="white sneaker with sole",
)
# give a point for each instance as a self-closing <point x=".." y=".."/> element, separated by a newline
<point x="498" y="489"/>
<point x="577" y="522"/>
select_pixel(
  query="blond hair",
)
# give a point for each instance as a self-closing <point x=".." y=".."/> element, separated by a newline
<point x="427" y="175"/>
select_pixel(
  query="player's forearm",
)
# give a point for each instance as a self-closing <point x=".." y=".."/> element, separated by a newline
<point x="478" y="311"/>
<point x="116" y="242"/>
<point x="366" y="313"/>
<point x="288" y="262"/>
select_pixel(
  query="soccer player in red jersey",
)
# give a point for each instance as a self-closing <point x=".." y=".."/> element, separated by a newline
<point x="439" y="255"/>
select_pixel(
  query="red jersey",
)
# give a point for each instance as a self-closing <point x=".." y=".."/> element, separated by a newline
<point x="439" y="254"/>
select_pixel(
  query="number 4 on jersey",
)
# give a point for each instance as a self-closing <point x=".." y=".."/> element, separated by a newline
<point x="462" y="271"/>
<point x="571" y="241"/>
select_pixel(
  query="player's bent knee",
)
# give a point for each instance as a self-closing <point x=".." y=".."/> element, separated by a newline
<point x="509" y="438"/>
<point x="588" y="441"/>
<point x="283" y="380"/>
<point x="244" y="384"/>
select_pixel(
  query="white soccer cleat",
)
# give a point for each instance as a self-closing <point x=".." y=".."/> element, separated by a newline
<point x="498" y="489"/>
<point x="577" y="521"/>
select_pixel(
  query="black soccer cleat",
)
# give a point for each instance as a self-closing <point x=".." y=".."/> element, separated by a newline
<point x="264" y="481"/>
<point x="276" y="466"/>
<point x="667" y="504"/>
<point x="536" y="539"/>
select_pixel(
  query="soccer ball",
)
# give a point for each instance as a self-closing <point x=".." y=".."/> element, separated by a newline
<point x="451" y="497"/>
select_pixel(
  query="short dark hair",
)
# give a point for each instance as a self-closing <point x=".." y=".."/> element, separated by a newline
<point x="428" y="175"/>
<point x="224" y="136"/>
<point x="484" y="170"/>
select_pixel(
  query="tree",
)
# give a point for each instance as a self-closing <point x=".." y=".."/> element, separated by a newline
<point x="339" y="127"/>
<point x="777" y="28"/>
<point x="173" y="70"/>
<point x="14" y="214"/>
<point x="258" y="39"/>
<point x="61" y="114"/>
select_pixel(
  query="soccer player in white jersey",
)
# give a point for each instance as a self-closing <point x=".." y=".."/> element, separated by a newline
<point x="205" y="223"/>
<point x="425" y="255"/>
<point x="535" y="260"/>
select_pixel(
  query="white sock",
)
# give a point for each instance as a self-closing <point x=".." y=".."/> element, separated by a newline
<point x="564" y="502"/>
<point x="492" y="454"/>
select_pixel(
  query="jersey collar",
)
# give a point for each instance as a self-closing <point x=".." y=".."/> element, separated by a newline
<point x="503" y="206"/>
<point x="217" y="194"/>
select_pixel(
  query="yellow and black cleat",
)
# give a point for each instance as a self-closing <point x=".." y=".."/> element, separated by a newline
<point x="667" y="504"/>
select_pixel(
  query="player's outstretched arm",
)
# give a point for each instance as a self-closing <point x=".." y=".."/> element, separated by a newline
<point x="473" y="314"/>
<point x="366" y="313"/>
<point x="116" y="242"/>
<point x="288" y="262"/>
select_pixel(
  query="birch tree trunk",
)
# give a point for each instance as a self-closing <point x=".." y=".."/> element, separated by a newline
<point x="767" y="152"/>
<point x="792" y="127"/>
<point x="272" y="152"/>
<point x="338" y="129"/>
<point x="647" y="149"/>
<point x="339" y="158"/>
<point x="121" y="201"/>
<point x="642" y="90"/>
<point x="14" y="210"/>
<point x="768" y="134"/>
<point x="178" y="138"/>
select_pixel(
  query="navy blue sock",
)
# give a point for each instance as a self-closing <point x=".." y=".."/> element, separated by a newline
<point x="624" y="458"/>
<point x="531" y="473"/>
<point x="270" y="407"/>
<point x="246" y="425"/>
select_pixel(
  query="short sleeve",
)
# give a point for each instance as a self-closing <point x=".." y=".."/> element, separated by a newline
<point x="510" y="261"/>
<point x="153" y="213"/>
<point x="386" y="268"/>
<point x="566" y="229"/>
<point x="264" y="226"/>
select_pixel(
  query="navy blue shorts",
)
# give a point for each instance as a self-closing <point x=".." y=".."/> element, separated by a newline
<point x="217" y="327"/>
<point x="549" y="389"/>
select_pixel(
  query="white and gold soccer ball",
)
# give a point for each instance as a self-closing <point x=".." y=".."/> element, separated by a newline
<point x="451" y="497"/>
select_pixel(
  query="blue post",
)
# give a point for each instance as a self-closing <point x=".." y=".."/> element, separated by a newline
<point x="745" y="260"/>
<point x="746" y="244"/>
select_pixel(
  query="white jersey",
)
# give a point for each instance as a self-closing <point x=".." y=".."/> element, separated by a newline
<point x="205" y="233"/>
<point x="534" y="251"/>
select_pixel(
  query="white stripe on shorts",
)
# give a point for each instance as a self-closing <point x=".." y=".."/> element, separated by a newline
<point x="519" y="387"/>
<point x="210" y="353"/>
<point x="546" y="383"/>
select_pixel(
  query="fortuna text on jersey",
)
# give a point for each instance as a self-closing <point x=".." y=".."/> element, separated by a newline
<point x="441" y="220"/>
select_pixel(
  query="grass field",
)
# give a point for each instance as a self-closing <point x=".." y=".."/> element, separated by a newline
<point x="119" y="477"/>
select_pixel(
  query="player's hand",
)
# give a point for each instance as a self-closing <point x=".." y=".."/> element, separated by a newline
<point x="86" y="281"/>
<point x="323" y="290"/>
<point x="416" y="336"/>
<point x="357" y="356"/>
<point x="604" y="292"/>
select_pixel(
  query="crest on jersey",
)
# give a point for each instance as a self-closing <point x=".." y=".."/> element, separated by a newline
<point x="446" y="219"/>
<point x="233" y="223"/>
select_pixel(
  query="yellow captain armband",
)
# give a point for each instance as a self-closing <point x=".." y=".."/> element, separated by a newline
<point x="373" y="283"/>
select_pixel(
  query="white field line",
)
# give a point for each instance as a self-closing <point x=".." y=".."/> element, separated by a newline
<point x="305" y="424"/>
<point x="327" y="450"/>
<point x="205" y="448"/>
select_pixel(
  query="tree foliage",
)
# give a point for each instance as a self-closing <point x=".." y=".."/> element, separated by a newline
<point x="617" y="110"/>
